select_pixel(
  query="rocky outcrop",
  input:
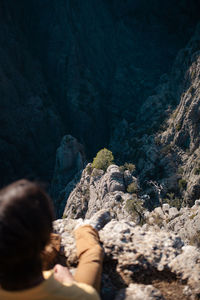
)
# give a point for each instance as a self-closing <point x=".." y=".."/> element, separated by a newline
<point x="139" y="292"/>
<point x="156" y="260"/>
<point x="146" y="262"/>
<point x="181" y="135"/>
<point x="186" y="224"/>
<point x="101" y="190"/>
<point x="70" y="159"/>
<point x="168" y="151"/>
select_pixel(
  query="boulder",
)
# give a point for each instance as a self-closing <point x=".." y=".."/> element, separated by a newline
<point x="140" y="261"/>
<point x="139" y="292"/>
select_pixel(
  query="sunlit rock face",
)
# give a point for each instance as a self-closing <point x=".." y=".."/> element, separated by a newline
<point x="80" y="68"/>
<point x="139" y="259"/>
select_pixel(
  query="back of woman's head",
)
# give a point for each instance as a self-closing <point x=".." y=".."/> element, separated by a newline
<point x="26" y="217"/>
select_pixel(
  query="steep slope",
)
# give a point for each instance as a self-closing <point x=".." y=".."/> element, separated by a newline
<point x="163" y="141"/>
<point x="92" y="63"/>
<point x="182" y="133"/>
<point x="103" y="58"/>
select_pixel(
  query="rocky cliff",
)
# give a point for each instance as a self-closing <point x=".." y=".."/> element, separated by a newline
<point x="81" y="68"/>
<point x="140" y="263"/>
<point x="123" y="74"/>
<point x="163" y="141"/>
<point x="148" y="255"/>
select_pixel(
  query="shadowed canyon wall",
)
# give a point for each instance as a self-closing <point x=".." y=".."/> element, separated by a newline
<point x="79" y="68"/>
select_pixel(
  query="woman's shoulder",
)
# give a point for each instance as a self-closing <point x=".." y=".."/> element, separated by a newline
<point x="69" y="291"/>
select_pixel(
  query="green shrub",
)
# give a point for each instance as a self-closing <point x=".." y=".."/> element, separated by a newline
<point x="173" y="201"/>
<point x="130" y="167"/>
<point x="180" y="170"/>
<point x="158" y="220"/>
<point x="127" y="166"/>
<point x="89" y="169"/>
<point x="178" y="126"/>
<point x="103" y="159"/>
<point x="132" y="188"/>
<point x="174" y="114"/>
<point x="182" y="183"/>
<point x="135" y="209"/>
<point x="122" y="168"/>
<point x="192" y="216"/>
<point x="195" y="239"/>
<point x="192" y="74"/>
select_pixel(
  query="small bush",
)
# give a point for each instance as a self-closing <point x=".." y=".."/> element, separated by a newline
<point x="135" y="209"/>
<point x="130" y="167"/>
<point x="174" y="114"/>
<point x="182" y="183"/>
<point x="195" y="239"/>
<point x="132" y="188"/>
<point x="173" y="201"/>
<point x="158" y="220"/>
<point x="180" y="171"/>
<point x="127" y="166"/>
<point x="178" y="126"/>
<point x="192" y="216"/>
<point x="89" y="169"/>
<point x="122" y="168"/>
<point x="192" y="74"/>
<point x="103" y="159"/>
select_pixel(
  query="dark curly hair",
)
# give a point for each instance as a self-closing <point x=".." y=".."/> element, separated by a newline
<point x="26" y="216"/>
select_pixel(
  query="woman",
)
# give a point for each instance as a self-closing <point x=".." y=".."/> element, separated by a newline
<point x="26" y="217"/>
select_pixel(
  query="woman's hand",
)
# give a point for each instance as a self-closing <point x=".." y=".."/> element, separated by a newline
<point x="62" y="274"/>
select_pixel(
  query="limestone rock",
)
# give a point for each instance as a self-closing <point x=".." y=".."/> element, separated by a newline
<point x="69" y="162"/>
<point x="186" y="265"/>
<point x="98" y="190"/>
<point x="139" y="292"/>
<point x="136" y="256"/>
<point x="168" y="152"/>
<point x="186" y="225"/>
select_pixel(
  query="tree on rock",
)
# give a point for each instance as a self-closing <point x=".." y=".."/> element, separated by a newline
<point x="103" y="159"/>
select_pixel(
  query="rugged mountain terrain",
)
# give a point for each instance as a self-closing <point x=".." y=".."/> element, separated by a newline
<point x="156" y="260"/>
<point x="80" y="68"/>
<point x="119" y="73"/>
<point x="148" y="255"/>
<point x="168" y="151"/>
